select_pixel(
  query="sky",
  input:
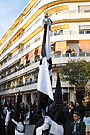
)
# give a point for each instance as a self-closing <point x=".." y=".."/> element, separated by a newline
<point x="9" y="10"/>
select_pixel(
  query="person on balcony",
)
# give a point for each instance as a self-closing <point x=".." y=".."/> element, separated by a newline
<point x="73" y="52"/>
<point x="60" y="32"/>
<point x="55" y="32"/>
<point x="68" y="52"/>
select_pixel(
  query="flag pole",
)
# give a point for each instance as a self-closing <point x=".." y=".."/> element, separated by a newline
<point x="44" y="87"/>
<point x="45" y="132"/>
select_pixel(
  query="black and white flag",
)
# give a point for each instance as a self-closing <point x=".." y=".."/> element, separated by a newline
<point x="44" y="88"/>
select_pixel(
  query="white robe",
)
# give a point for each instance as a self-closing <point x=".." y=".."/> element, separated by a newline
<point x="18" y="133"/>
<point x="7" y="118"/>
<point x="55" y="128"/>
<point x="19" y="128"/>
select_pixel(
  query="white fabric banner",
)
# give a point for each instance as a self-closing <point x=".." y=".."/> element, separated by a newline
<point x="44" y="83"/>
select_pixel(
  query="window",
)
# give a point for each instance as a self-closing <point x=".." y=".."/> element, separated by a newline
<point x="84" y="29"/>
<point x="84" y="9"/>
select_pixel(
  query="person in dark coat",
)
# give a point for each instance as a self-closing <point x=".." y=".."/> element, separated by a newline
<point x="11" y="124"/>
<point x="2" y="126"/>
<point x="78" y="126"/>
<point x="81" y="109"/>
<point x="56" y="109"/>
<point x="36" y="115"/>
<point x="32" y="116"/>
<point x="65" y="109"/>
<point x="66" y="121"/>
<point x="15" y="125"/>
<point x="11" y="128"/>
<point x="71" y="112"/>
<point x="22" y="111"/>
<point x="56" y="112"/>
<point x="10" y="111"/>
<point x="8" y="115"/>
<point x="2" y="121"/>
<point x="5" y="106"/>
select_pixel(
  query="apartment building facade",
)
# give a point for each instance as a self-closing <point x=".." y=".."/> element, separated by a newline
<point x="20" y="46"/>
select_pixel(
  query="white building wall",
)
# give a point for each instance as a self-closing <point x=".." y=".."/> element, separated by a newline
<point x="72" y="96"/>
<point x="73" y="27"/>
<point x="24" y="98"/>
<point x="33" y="96"/>
<point x="74" y="6"/>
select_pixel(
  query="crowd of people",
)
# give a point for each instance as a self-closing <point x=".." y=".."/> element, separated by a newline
<point x="76" y="115"/>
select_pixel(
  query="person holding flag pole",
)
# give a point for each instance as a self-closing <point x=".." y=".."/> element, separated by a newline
<point x="44" y="88"/>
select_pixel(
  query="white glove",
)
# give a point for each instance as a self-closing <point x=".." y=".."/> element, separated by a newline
<point x="45" y="126"/>
<point x="20" y="126"/>
<point x="56" y="129"/>
<point x="48" y="120"/>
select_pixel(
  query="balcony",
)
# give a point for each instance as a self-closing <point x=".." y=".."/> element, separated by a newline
<point x="20" y="54"/>
<point x="69" y="35"/>
<point x="82" y="54"/>
<point x="70" y="14"/>
<point x="59" y="36"/>
<point x="57" y="59"/>
<point x="20" y="87"/>
<point x="29" y="86"/>
<point x="21" y="70"/>
<point x="69" y="32"/>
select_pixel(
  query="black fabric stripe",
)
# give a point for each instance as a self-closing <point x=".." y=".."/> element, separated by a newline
<point x="43" y="51"/>
<point x="50" y="67"/>
<point x="49" y="61"/>
<point x="51" y="79"/>
<point x="40" y="62"/>
<point x="50" y="64"/>
<point x="43" y="100"/>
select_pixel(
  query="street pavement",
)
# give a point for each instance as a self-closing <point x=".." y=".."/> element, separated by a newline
<point x="29" y="129"/>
